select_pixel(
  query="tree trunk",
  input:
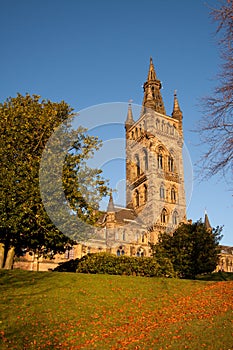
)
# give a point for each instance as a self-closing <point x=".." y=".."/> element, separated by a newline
<point x="2" y="250"/>
<point x="10" y="259"/>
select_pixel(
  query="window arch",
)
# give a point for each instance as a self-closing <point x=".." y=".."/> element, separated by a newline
<point x="171" y="164"/>
<point x="164" y="216"/>
<point x="137" y="198"/>
<point x="160" y="160"/>
<point x="175" y="218"/>
<point x="140" y="252"/>
<point x="120" y="251"/>
<point x="136" y="133"/>
<point x="162" y="192"/>
<point x="173" y="194"/>
<point x="145" y="158"/>
<point x="137" y="160"/>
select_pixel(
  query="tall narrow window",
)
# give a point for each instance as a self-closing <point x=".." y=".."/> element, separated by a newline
<point x="162" y="192"/>
<point x="164" y="216"/>
<point x="160" y="161"/>
<point x="173" y="195"/>
<point x="145" y="193"/>
<point x="137" y="198"/>
<point x="175" y="218"/>
<point x="170" y="164"/>
<point x="145" y="158"/>
<point x="137" y="165"/>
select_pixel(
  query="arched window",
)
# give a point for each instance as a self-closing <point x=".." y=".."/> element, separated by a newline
<point x="120" y="251"/>
<point x="171" y="164"/>
<point x="160" y="160"/>
<point x="132" y="135"/>
<point x="175" y="218"/>
<point x="136" y="133"/>
<point x="145" y="193"/>
<point x="140" y="252"/>
<point x="137" y="198"/>
<point x="123" y="236"/>
<point x="145" y="158"/>
<point x="137" y="165"/>
<point x="173" y="195"/>
<point x="162" y="192"/>
<point x="164" y="216"/>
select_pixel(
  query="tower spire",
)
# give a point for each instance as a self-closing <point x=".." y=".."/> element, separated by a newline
<point x="177" y="113"/>
<point x="207" y="222"/>
<point x="110" y="207"/>
<point x="152" y="96"/>
<point x="151" y="73"/>
<point x="129" y="120"/>
<point x="176" y="107"/>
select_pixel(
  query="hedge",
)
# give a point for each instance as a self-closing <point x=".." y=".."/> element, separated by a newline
<point x="104" y="263"/>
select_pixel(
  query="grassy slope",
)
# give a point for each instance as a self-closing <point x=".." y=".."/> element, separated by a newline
<point x="76" y="311"/>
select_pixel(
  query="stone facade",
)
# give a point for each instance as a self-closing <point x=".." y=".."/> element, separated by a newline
<point x="225" y="259"/>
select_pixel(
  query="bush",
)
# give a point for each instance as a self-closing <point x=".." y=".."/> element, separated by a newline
<point x="104" y="263"/>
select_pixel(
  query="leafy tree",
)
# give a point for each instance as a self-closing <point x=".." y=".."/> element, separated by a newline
<point x="26" y="125"/>
<point x="193" y="249"/>
<point x="216" y="125"/>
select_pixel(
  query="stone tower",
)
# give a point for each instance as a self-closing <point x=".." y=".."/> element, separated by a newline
<point x="154" y="162"/>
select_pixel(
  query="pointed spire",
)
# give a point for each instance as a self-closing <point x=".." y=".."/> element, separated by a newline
<point x="151" y="73"/>
<point x="110" y="207"/>
<point x="177" y="113"/>
<point x="129" y="120"/>
<point x="207" y="222"/>
<point x="152" y="96"/>
<point x="176" y="107"/>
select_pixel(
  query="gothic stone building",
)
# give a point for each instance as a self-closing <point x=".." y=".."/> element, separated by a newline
<point x="155" y="193"/>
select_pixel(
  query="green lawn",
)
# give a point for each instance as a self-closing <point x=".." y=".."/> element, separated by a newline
<point x="77" y="311"/>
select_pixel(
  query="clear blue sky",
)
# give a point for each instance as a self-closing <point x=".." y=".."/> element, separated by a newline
<point x="89" y="52"/>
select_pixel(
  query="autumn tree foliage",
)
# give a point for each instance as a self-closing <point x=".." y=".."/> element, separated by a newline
<point x="216" y="124"/>
<point x="26" y="125"/>
<point x="193" y="249"/>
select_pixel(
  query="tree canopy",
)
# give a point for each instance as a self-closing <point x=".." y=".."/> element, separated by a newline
<point x="216" y="124"/>
<point x="26" y="125"/>
<point x="192" y="248"/>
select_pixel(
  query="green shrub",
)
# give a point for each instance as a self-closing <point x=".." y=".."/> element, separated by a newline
<point x="104" y="263"/>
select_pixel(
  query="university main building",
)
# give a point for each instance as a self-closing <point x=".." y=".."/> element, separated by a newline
<point x="155" y="192"/>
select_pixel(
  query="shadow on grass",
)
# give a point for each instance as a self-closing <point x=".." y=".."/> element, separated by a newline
<point x="20" y="279"/>
<point x="216" y="276"/>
